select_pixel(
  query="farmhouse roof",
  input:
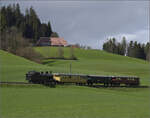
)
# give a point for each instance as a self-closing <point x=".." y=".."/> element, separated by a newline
<point x="58" y="41"/>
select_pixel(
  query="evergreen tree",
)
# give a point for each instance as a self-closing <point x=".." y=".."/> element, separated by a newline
<point x="18" y="16"/>
<point x="54" y="34"/>
<point x="3" y="22"/>
<point x="29" y="24"/>
<point x="147" y="51"/>
<point x="114" y="47"/>
<point x="49" y="29"/>
<point x="44" y="30"/>
<point x="130" y="49"/>
<point x="124" y="46"/>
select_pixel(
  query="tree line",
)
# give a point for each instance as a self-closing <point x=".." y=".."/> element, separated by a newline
<point x="28" y="24"/>
<point x="131" y="49"/>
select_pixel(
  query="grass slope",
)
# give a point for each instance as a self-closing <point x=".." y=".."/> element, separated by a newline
<point x="97" y="62"/>
<point x="13" y="68"/>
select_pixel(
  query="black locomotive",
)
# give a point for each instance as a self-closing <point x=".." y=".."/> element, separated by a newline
<point x="40" y="78"/>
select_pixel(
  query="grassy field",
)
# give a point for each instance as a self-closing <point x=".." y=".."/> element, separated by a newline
<point x="73" y="101"/>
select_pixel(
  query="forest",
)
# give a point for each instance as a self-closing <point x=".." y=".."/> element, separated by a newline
<point x="28" y="24"/>
<point x="131" y="49"/>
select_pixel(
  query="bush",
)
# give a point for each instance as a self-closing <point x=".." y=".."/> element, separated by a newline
<point x="12" y="41"/>
<point x="29" y="53"/>
<point x="72" y="56"/>
<point x="60" y="52"/>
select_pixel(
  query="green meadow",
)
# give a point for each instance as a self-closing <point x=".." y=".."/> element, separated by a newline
<point x="69" y="101"/>
<point x="74" y="102"/>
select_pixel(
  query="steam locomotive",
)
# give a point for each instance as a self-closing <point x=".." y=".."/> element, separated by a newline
<point x="48" y="78"/>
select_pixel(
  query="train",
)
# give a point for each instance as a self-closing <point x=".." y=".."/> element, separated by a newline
<point x="51" y="79"/>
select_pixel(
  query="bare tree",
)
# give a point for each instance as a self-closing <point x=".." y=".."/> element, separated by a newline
<point x="60" y="52"/>
<point x="72" y="56"/>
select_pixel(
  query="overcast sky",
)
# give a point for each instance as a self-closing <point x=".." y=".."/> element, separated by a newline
<point x="92" y="22"/>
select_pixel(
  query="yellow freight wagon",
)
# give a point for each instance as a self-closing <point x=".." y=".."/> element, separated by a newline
<point x="70" y="78"/>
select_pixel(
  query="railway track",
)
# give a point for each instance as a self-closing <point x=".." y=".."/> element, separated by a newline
<point x="16" y="83"/>
<point x="94" y="86"/>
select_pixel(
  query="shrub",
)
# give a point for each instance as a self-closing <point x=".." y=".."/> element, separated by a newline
<point x="12" y="41"/>
<point x="72" y="56"/>
<point x="29" y="53"/>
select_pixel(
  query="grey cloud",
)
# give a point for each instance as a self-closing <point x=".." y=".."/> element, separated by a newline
<point x="89" y="22"/>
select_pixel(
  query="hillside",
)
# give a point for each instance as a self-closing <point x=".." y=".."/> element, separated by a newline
<point x="13" y="68"/>
<point x="96" y="62"/>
